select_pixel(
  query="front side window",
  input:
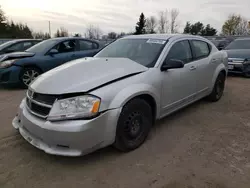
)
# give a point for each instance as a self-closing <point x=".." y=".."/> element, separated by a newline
<point x="66" y="46"/>
<point x="87" y="45"/>
<point x="200" y="49"/>
<point x="142" y="51"/>
<point x="42" y="46"/>
<point x="180" y="51"/>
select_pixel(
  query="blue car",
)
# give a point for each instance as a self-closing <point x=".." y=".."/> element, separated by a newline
<point x="21" y="68"/>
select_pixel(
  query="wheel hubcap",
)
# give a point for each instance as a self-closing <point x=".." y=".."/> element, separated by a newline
<point x="29" y="76"/>
<point x="133" y="125"/>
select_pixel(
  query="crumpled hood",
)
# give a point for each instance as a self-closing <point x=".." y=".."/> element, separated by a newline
<point x="84" y="74"/>
<point x="243" y="53"/>
<point x="16" y="55"/>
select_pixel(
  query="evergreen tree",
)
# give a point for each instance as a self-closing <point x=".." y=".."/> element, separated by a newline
<point x="140" y="25"/>
<point x="187" y="28"/>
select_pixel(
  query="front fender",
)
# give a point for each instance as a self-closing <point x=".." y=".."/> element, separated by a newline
<point x="30" y="62"/>
<point x="133" y="91"/>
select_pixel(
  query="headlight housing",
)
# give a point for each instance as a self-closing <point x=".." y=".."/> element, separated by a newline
<point x="85" y="106"/>
<point x="7" y="63"/>
<point x="246" y="62"/>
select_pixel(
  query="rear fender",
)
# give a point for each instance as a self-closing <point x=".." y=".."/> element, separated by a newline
<point x="221" y="67"/>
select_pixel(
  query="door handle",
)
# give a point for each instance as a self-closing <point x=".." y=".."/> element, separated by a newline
<point x="192" y="68"/>
<point x="214" y="60"/>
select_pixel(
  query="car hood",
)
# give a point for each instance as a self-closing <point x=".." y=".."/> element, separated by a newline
<point x="83" y="75"/>
<point x="16" y="55"/>
<point x="243" y="53"/>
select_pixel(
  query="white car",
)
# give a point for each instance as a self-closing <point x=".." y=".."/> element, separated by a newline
<point x="116" y="96"/>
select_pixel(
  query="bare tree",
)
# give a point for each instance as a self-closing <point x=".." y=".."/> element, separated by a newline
<point x="151" y="24"/>
<point x="62" y="32"/>
<point x="163" y="22"/>
<point x="93" y="32"/>
<point x="243" y="27"/>
<point x="173" y="23"/>
<point x="236" y="25"/>
<point x="40" y="35"/>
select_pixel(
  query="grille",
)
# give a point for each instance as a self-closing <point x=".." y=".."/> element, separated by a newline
<point x="40" y="104"/>
<point x="47" y="99"/>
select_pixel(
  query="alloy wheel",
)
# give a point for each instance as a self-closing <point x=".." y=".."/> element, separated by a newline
<point x="29" y="76"/>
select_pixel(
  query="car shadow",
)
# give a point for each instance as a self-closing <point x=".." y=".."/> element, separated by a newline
<point x="10" y="88"/>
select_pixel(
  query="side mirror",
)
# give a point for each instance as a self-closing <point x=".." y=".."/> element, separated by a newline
<point x="53" y="51"/>
<point x="172" y="64"/>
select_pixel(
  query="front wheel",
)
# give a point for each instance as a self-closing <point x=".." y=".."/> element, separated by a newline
<point x="134" y="125"/>
<point x="218" y="88"/>
<point x="28" y="75"/>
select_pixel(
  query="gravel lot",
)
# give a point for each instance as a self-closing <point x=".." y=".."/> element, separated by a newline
<point x="205" y="145"/>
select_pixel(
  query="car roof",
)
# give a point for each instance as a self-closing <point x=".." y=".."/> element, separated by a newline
<point x="162" y="36"/>
<point x="69" y="38"/>
<point x="245" y="38"/>
<point x="20" y="40"/>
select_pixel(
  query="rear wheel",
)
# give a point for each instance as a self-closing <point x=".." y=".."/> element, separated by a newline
<point x="247" y="72"/>
<point x="218" y="88"/>
<point x="28" y="75"/>
<point x="134" y="125"/>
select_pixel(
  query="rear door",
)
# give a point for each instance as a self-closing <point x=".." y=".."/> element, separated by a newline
<point x="201" y="51"/>
<point x="86" y="48"/>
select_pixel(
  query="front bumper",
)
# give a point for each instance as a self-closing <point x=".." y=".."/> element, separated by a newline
<point x="238" y="67"/>
<point x="67" y="138"/>
<point x="10" y="75"/>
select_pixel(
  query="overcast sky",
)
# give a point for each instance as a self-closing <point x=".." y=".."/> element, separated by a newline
<point x="117" y="15"/>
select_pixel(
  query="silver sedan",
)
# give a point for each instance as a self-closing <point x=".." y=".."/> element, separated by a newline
<point x="115" y="97"/>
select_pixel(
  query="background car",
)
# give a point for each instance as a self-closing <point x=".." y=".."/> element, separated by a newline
<point x="220" y="44"/>
<point x="19" y="45"/>
<point x="239" y="56"/>
<point x="4" y="40"/>
<point x="21" y="68"/>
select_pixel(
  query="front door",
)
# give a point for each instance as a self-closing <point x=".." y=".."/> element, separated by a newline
<point x="66" y="52"/>
<point x="178" y="87"/>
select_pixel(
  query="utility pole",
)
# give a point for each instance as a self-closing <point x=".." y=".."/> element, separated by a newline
<point x="49" y="30"/>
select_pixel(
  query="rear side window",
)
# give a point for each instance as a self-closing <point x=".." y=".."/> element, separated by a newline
<point x="27" y="45"/>
<point x="200" y="49"/>
<point x="66" y="46"/>
<point x="87" y="45"/>
<point x="181" y="51"/>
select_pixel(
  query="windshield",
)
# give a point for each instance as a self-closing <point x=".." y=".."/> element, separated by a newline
<point x="142" y="51"/>
<point x="42" y="46"/>
<point x="6" y="44"/>
<point x="239" y="44"/>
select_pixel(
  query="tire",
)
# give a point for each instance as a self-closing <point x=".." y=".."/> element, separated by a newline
<point x="218" y="88"/>
<point x="246" y="74"/>
<point x="134" y="125"/>
<point x="27" y="75"/>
